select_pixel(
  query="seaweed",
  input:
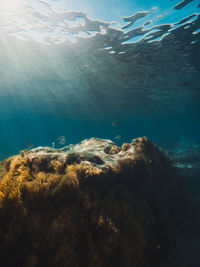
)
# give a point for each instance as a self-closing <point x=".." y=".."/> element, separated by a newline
<point x="80" y="215"/>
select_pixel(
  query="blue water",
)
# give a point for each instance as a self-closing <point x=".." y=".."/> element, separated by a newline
<point x="67" y="73"/>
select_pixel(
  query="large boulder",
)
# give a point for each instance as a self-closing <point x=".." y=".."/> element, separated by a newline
<point x="90" y="204"/>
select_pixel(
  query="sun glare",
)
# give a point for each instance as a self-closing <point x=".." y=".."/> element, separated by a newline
<point x="12" y="7"/>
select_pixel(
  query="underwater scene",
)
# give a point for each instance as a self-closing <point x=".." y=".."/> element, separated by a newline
<point x="100" y="133"/>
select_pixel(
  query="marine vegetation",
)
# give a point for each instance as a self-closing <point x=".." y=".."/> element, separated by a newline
<point x="1" y="166"/>
<point x="54" y="213"/>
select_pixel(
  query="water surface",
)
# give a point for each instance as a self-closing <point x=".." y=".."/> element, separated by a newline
<point x="71" y="68"/>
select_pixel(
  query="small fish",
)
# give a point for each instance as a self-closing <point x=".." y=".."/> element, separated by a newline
<point x="115" y="123"/>
<point x="118" y="137"/>
<point x="61" y="140"/>
<point x="30" y="145"/>
<point x="53" y="144"/>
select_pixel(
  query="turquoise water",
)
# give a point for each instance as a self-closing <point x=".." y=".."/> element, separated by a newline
<point x="73" y="73"/>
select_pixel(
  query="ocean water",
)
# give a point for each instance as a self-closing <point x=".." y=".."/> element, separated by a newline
<point x="71" y="70"/>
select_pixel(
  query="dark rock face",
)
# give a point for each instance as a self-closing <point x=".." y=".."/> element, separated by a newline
<point x="92" y="204"/>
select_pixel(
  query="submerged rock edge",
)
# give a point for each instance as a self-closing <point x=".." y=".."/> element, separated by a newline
<point x="96" y="152"/>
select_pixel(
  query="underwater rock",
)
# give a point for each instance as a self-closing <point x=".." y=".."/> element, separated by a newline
<point x="90" y="204"/>
<point x="186" y="161"/>
<point x="100" y="153"/>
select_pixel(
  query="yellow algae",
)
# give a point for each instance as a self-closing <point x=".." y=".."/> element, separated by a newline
<point x="57" y="165"/>
<point x="78" y="212"/>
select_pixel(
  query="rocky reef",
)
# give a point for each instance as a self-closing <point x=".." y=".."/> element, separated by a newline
<point x="92" y="204"/>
